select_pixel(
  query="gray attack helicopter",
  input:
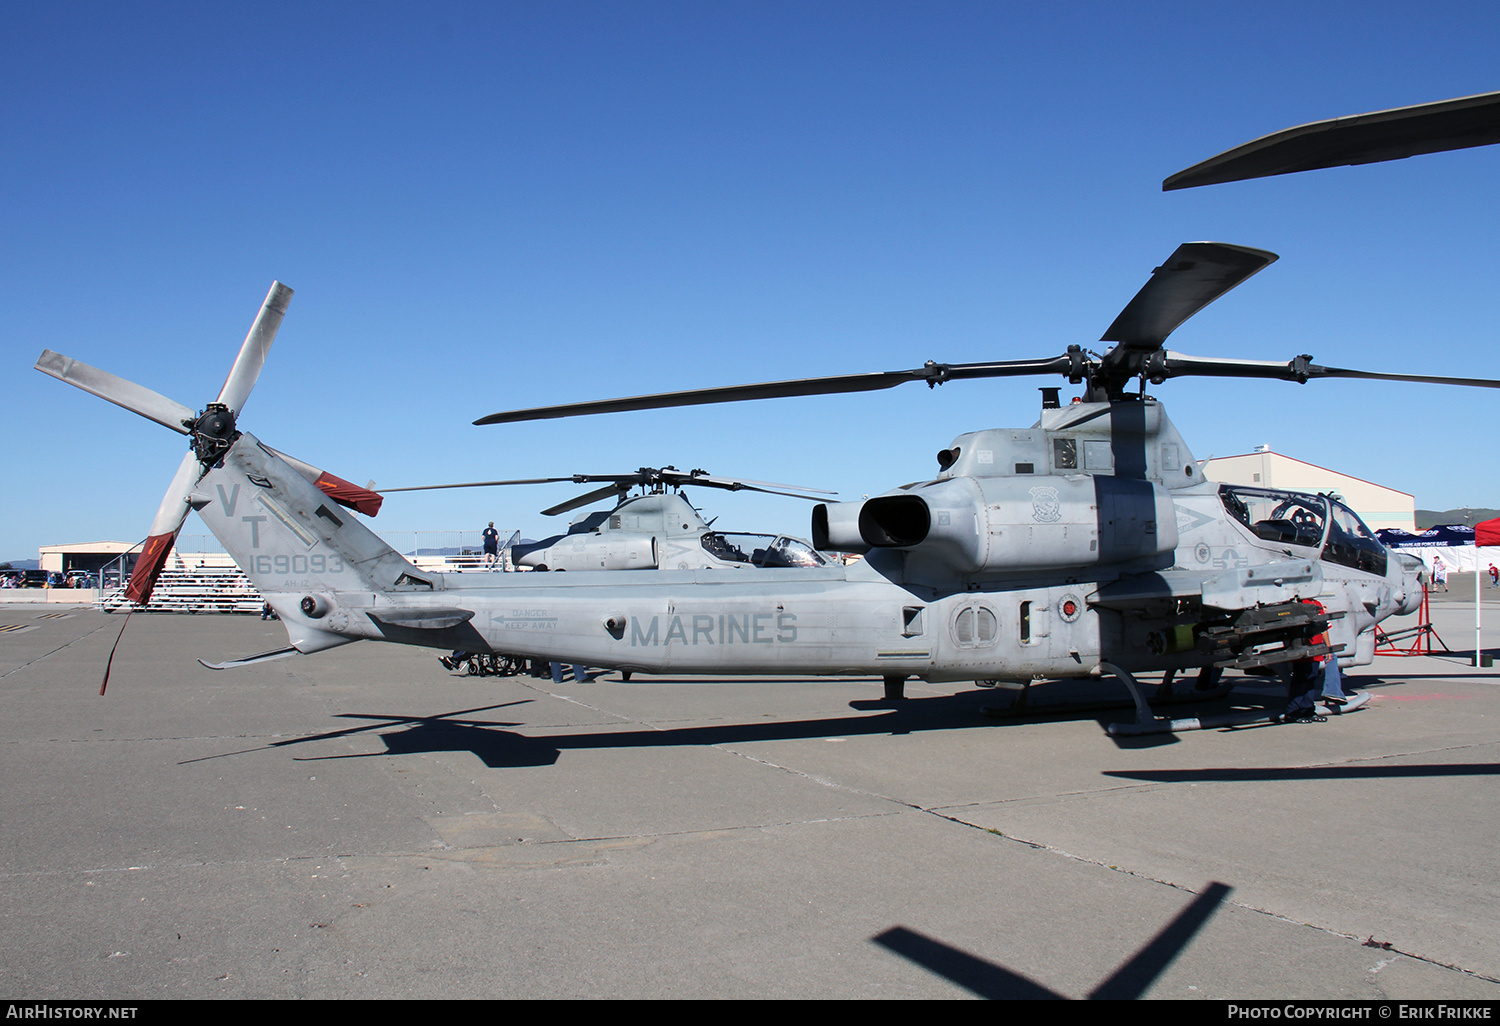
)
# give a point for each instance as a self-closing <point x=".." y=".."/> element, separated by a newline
<point x="656" y="529"/>
<point x="1085" y="545"/>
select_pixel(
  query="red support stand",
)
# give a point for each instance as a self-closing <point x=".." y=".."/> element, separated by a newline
<point x="1412" y="641"/>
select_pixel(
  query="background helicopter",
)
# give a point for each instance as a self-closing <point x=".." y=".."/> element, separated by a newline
<point x="658" y="528"/>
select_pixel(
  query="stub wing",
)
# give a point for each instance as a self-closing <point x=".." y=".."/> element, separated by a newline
<point x="1228" y="590"/>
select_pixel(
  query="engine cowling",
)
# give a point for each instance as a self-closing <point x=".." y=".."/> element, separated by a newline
<point x="612" y="551"/>
<point x="974" y="525"/>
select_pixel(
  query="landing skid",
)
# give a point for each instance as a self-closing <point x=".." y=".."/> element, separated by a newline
<point x="1147" y="722"/>
<point x="1358" y="700"/>
<point x="1022" y="706"/>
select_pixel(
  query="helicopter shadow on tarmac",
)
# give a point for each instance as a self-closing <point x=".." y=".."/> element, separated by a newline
<point x="499" y="747"/>
<point x="464" y="730"/>
<point x="994" y="982"/>
<point x="1252" y="774"/>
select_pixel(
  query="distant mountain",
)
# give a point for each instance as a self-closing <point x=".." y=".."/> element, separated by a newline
<point x="23" y="564"/>
<point x="1470" y="515"/>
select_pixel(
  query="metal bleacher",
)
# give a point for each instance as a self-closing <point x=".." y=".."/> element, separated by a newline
<point x="197" y="583"/>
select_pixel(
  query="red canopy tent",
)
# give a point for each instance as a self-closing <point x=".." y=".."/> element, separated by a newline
<point x="1487" y="532"/>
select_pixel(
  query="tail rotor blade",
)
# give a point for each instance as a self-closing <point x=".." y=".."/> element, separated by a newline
<point x="169" y="517"/>
<point x="345" y="493"/>
<point x="257" y="344"/>
<point x="151" y="405"/>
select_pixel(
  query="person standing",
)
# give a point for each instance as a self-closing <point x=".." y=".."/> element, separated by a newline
<point x="1305" y="679"/>
<point x="491" y="546"/>
<point x="1439" y="574"/>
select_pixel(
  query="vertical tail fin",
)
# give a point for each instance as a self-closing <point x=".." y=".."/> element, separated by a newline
<point x="288" y="535"/>
<point x="310" y="558"/>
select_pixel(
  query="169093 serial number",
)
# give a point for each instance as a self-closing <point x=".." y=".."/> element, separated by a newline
<point x="315" y="564"/>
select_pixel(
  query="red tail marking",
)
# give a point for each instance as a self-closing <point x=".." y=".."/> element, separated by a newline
<point x="352" y="495"/>
<point x="148" y="568"/>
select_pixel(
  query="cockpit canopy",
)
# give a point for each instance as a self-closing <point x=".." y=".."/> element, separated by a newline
<point x="763" y="550"/>
<point x="1313" y="521"/>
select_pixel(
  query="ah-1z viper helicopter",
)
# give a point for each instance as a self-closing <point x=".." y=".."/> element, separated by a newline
<point x="1087" y="544"/>
<point x="658" y="528"/>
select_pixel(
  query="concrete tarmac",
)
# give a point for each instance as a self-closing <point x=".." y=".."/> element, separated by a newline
<point x="363" y="824"/>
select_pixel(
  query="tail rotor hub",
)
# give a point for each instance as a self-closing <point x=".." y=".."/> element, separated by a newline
<point x="213" y="433"/>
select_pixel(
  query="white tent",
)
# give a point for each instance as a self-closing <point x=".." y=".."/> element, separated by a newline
<point x="1454" y="545"/>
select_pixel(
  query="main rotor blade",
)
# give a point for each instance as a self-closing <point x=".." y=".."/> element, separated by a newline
<point x="795" y="488"/>
<point x="252" y="356"/>
<point x="737" y="484"/>
<point x="1316" y="371"/>
<point x="646" y="476"/>
<point x="1357" y="139"/>
<point x="136" y="399"/>
<point x="477" y="484"/>
<point x="704" y="396"/>
<point x="932" y="373"/>
<point x="1302" y="369"/>
<point x="582" y="500"/>
<point x="1196" y="274"/>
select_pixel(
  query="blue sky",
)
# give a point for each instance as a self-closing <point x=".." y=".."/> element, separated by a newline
<point x="496" y="205"/>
